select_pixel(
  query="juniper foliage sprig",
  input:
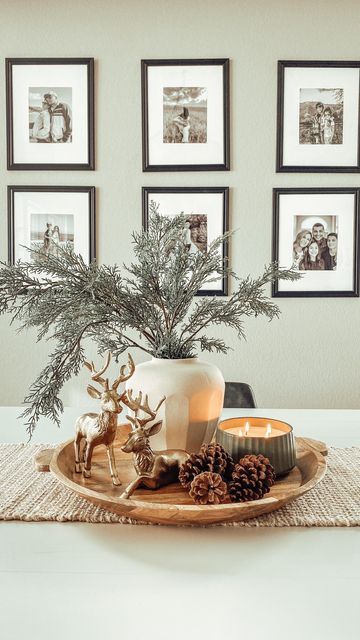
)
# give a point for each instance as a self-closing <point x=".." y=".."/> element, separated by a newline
<point x="150" y="304"/>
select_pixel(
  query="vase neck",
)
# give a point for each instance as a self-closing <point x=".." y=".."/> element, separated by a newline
<point x="177" y="360"/>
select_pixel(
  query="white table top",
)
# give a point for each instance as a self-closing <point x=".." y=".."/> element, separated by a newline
<point x="71" y="580"/>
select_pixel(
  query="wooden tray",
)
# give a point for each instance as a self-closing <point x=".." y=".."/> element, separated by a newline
<point x="172" y="504"/>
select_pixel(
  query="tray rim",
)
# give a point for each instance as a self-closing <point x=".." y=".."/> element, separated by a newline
<point x="132" y="507"/>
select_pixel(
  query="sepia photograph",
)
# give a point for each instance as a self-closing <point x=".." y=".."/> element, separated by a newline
<point x="49" y="233"/>
<point x="195" y="235"/>
<point x="185" y="114"/>
<point x="50" y="114"/>
<point x="206" y="217"/>
<point x="315" y="232"/>
<point x="318" y="116"/>
<point x="315" y="243"/>
<point x="321" y="116"/>
<point x="195" y="232"/>
<point x="48" y="219"/>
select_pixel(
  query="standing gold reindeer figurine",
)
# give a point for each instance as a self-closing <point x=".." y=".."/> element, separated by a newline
<point x="154" y="468"/>
<point x="100" y="428"/>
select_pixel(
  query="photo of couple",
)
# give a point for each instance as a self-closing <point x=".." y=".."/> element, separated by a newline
<point x="50" y="119"/>
<point x="195" y="233"/>
<point x="49" y="233"/>
<point x="315" y="244"/>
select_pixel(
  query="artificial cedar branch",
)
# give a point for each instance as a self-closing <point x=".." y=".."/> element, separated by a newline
<point x="96" y="301"/>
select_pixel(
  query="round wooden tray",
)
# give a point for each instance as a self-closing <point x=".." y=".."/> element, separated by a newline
<point x="172" y="504"/>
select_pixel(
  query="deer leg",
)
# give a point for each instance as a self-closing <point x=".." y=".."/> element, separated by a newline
<point x="132" y="486"/>
<point x="112" y="465"/>
<point x="77" y="443"/>
<point x="87" y="461"/>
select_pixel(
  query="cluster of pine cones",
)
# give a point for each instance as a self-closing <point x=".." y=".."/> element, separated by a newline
<point x="212" y="477"/>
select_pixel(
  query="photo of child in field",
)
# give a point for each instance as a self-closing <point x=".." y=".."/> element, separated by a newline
<point x="184" y="115"/>
<point x="321" y="116"/>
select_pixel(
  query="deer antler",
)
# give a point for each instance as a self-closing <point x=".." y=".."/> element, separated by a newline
<point x="136" y="405"/>
<point x="152" y="412"/>
<point x="96" y="375"/>
<point x="122" y="377"/>
<point x="133" y="403"/>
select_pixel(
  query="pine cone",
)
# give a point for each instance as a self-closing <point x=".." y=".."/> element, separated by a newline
<point x="194" y="465"/>
<point x="208" y="488"/>
<point x="251" y="479"/>
<point x="217" y="459"/>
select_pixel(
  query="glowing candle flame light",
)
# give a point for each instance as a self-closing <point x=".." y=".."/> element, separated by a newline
<point x="252" y="435"/>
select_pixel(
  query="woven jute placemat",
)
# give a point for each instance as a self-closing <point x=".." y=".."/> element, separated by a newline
<point x="27" y="495"/>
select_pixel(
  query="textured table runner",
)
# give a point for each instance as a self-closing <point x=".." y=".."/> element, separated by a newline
<point x="27" y="495"/>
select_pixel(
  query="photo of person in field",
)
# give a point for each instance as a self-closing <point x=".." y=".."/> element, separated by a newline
<point x="185" y="115"/>
<point x="321" y="116"/>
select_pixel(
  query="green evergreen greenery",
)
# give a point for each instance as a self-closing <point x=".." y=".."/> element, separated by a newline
<point x="150" y="304"/>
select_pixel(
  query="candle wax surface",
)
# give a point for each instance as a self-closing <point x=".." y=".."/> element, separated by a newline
<point x="255" y="432"/>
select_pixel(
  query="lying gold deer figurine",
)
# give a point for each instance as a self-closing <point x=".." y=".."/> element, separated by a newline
<point x="100" y="428"/>
<point x="154" y="468"/>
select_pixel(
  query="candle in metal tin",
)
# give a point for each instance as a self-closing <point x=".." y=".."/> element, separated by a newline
<point x="273" y="438"/>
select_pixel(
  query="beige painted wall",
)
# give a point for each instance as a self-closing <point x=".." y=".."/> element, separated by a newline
<point x="309" y="358"/>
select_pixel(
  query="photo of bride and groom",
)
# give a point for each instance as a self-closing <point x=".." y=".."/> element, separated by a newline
<point x="51" y="232"/>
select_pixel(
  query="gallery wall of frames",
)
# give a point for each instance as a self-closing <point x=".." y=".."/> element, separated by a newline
<point x="186" y="127"/>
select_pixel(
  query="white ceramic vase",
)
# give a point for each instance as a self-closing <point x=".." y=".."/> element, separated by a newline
<point x="194" y="392"/>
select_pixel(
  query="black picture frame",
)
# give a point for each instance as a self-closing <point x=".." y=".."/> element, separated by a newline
<point x="146" y="198"/>
<point x="280" y="166"/>
<point x="13" y="189"/>
<point x="277" y="193"/>
<point x="222" y="166"/>
<point x="12" y="164"/>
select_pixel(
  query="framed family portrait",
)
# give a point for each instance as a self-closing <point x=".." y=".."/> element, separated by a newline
<point x="185" y="115"/>
<point x="49" y="218"/>
<point x="50" y="113"/>
<point x="207" y="217"/>
<point x="316" y="231"/>
<point x="318" y="116"/>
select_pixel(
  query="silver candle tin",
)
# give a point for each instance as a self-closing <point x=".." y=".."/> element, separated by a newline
<point x="280" y="449"/>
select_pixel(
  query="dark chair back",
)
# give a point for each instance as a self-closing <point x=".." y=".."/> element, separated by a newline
<point x="239" y="394"/>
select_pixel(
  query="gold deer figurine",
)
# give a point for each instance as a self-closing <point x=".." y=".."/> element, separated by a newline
<point x="154" y="468"/>
<point x="100" y="428"/>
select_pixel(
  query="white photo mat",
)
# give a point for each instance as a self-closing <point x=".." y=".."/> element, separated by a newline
<point x="28" y="203"/>
<point x="73" y="76"/>
<point x="209" y="204"/>
<point x="341" y="205"/>
<point x="209" y="76"/>
<point x="331" y="155"/>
